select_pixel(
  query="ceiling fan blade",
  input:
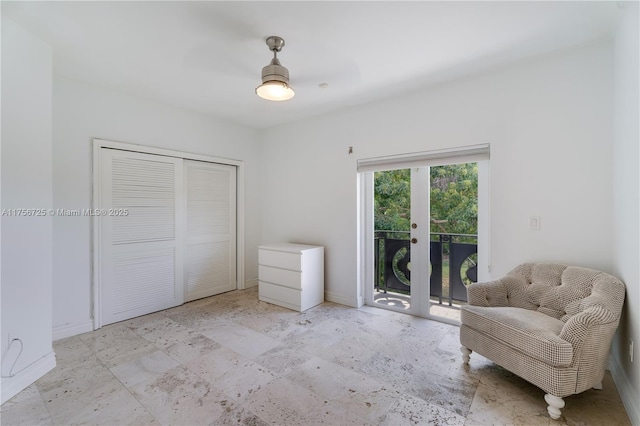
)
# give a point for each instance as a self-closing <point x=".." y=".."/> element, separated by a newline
<point x="209" y="57"/>
<point x="335" y="74"/>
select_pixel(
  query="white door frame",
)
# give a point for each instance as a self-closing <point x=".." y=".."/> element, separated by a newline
<point x="98" y="144"/>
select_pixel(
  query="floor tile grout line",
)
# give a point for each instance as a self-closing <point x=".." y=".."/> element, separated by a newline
<point x="46" y="404"/>
<point x="119" y="381"/>
<point x="136" y="398"/>
<point x="46" y="407"/>
<point x="245" y="403"/>
<point x="239" y="404"/>
<point x="236" y="402"/>
<point x="129" y="388"/>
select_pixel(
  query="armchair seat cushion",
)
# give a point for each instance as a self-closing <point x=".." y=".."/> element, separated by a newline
<point x="528" y="331"/>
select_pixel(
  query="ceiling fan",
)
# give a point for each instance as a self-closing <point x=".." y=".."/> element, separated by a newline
<point x="275" y="77"/>
<point x="232" y="35"/>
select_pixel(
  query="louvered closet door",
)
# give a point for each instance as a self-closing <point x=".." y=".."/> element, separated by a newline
<point x="142" y="252"/>
<point x="210" y="256"/>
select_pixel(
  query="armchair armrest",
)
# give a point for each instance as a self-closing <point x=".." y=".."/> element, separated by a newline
<point x="494" y="293"/>
<point x="577" y="327"/>
<point x="590" y="333"/>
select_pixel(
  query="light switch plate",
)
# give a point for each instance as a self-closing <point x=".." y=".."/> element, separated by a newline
<point x="534" y="223"/>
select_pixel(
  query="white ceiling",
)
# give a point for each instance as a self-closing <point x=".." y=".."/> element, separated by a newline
<point x="207" y="56"/>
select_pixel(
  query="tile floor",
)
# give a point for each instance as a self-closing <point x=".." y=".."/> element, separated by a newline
<point x="232" y="360"/>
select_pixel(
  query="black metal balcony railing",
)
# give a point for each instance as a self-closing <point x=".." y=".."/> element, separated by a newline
<point x="459" y="251"/>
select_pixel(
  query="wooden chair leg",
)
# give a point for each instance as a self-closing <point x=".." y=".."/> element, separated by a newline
<point x="555" y="405"/>
<point x="466" y="352"/>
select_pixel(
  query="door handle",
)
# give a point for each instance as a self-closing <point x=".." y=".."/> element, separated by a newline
<point x="414" y="240"/>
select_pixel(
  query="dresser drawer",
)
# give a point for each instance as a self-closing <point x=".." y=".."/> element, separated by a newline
<point x="280" y="259"/>
<point x="283" y="277"/>
<point x="278" y="295"/>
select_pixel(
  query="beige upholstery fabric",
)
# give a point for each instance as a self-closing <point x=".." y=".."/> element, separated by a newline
<point x="550" y="324"/>
<point x="533" y="333"/>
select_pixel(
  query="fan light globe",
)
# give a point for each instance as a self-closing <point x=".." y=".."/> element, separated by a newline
<point x="275" y="77"/>
<point x="275" y="91"/>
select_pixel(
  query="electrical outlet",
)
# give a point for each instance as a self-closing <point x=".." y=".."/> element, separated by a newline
<point x="631" y="349"/>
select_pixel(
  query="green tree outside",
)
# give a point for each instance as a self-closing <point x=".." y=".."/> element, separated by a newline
<point x="392" y="200"/>
<point x="454" y="199"/>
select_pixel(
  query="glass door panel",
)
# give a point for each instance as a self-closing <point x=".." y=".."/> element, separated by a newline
<point x="392" y="239"/>
<point x="454" y="236"/>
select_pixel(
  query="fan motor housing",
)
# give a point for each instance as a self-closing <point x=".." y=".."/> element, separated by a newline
<point x="275" y="72"/>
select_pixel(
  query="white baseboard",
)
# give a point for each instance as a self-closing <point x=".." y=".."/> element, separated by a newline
<point x="16" y="384"/>
<point x="250" y="283"/>
<point x="627" y="393"/>
<point x="336" y="298"/>
<point x="68" y="330"/>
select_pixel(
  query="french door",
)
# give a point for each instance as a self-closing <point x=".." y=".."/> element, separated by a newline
<point x="167" y="232"/>
<point x="401" y="240"/>
<point x="412" y="260"/>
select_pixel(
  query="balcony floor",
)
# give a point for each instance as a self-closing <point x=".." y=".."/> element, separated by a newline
<point x="403" y="301"/>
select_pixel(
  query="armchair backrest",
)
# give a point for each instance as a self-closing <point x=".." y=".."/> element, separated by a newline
<point x="562" y="291"/>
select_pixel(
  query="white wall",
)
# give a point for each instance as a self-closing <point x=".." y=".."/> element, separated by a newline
<point x="548" y="121"/>
<point x="83" y="112"/>
<point x="626" y="206"/>
<point x="26" y="184"/>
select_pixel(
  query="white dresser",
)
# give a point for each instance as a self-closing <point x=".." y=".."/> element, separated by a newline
<point x="291" y="275"/>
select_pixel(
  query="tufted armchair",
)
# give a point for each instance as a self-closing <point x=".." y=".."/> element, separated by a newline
<point x="550" y="324"/>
